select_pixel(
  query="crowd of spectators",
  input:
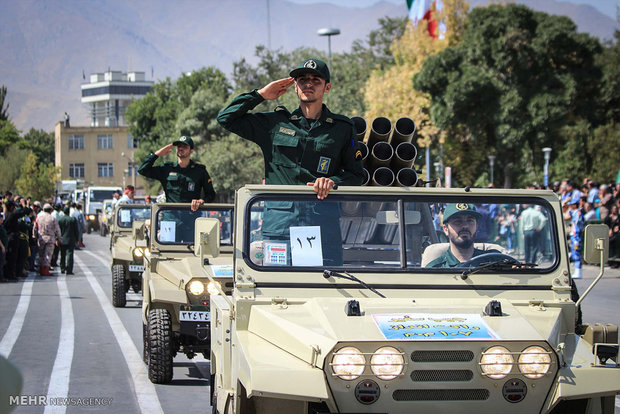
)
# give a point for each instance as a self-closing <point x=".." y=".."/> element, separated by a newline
<point x="30" y="239"/>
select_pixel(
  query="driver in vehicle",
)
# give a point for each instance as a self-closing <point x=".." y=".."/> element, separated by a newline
<point x="460" y="223"/>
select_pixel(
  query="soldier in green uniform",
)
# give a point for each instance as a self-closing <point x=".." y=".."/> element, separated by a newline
<point x="460" y="222"/>
<point x="184" y="181"/>
<point x="310" y="146"/>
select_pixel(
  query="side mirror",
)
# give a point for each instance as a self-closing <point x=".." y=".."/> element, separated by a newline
<point x="207" y="237"/>
<point x="596" y="241"/>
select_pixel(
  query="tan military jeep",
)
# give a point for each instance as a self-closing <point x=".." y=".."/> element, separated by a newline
<point x="189" y="260"/>
<point x="356" y="320"/>
<point x="127" y="250"/>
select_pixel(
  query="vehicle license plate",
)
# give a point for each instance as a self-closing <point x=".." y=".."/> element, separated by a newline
<point x="195" y="316"/>
<point x="136" y="268"/>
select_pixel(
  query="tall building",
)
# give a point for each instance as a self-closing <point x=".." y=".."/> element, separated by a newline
<point x="102" y="153"/>
<point x="108" y="95"/>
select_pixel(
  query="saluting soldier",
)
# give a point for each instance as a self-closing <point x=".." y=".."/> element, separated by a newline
<point x="184" y="181"/>
<point x="310" y="146"/>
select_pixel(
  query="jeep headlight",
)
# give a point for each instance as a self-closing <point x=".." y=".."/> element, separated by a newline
<point x="348" y="363"/>
<point x="214" y="288"/>
<point x="534" y="362"/>
<point x="496" y="362"/>
<point x="196" y="287"/>
<point x="138" y="252"/>
<point x="387" y="363"/>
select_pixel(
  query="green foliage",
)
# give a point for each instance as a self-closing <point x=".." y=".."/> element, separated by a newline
<point x="37" y="180"/>
<point x="9" y="135"/>
<point x="10" y="167"/>
<point x="603" y="149"/>
<point x="4" y="115"/>
<point x="232" y="162"/>
<point x="41" y="143"/>
<point x="375" y="52"/>
<point x="515" y="81"/>
<point x="609" y="94"/>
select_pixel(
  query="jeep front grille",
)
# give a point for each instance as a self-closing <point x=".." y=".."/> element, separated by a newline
<point x="476" y="394"/>
<point x="437" y="375"/>
<point x="442" y="356"/>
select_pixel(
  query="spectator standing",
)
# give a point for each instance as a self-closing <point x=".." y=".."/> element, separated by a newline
<point x="70" y="234"/>
<point x="605" y="201"/>
<point x="4" y="241"/>
<point x="532" y="222"/>
<point x="15" y="252"/>
<point x="575" y="214"/>
<point x="592" y="192"/>
<point x="48" y="234"/>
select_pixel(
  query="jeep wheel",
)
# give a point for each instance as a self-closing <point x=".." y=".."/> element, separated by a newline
<point x="160" y="346"/>
<point x="119" y="299"/>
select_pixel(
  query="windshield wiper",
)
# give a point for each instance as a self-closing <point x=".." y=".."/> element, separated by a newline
<point x="500" y="265"/>
<point x="327" y="273"/>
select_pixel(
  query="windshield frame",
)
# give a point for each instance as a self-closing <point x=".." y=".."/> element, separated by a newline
<point x="123" y="206"/>
<point x="400" y="200"/>
<point x="205" y="207"/>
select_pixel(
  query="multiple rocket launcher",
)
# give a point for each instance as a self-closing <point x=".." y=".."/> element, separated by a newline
<point x="388" y="153"/>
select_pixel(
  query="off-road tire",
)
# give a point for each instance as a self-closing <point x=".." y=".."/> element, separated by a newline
<point x="145" y="343"/>
<point x="119" y="298"/>
<point x="160" y="346"/>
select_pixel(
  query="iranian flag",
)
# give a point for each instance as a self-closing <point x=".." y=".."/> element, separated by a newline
<point x="424" y="10"/>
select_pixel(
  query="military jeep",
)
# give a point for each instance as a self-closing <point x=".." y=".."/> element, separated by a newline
<point x="360" y="320"/>
<point x="189" y="260"/>
<point x="127" y="247"/>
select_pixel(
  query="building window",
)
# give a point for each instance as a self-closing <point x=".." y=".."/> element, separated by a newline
<point x="76" y="170"/>
<point x="76" y="142"/>
<point x="131" y="142"/>
<point x="131" y="169"/>
<point x="105" y="169"/>
<point x="104" y="141"/>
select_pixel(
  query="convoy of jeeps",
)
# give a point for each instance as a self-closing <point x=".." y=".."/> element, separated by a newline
<point x="336" y="306"/>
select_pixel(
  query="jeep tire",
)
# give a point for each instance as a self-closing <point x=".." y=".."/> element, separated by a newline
<point x="119" y="298"/>
<point x="145" y="343"/>
<point x="160" y="346"/>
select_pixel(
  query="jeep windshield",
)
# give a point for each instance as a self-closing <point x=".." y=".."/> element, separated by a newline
<point x="127" y="214"/>
<point x="401" y="233"/>
<point x="175" y="224"/>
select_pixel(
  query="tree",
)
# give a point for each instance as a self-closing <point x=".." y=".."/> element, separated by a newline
<point x="9" y="135"/>
<point x="41" y="143"/>
<point x="10" y="167"/>
<point x="514" y="82"/>
<point x="232" y="162"/>
<point x="4" y="115"/>
<point x="37" y="180"/>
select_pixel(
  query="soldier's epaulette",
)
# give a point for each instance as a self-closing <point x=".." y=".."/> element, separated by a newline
<point x="342" y="118"/>
<point x="282" y="108"/>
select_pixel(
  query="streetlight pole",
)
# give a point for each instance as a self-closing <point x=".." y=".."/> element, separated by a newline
<point x="547" y="153"/>
<point x="491" y="164"/>
<point x="133" y="168"/>
<point x="329" y="32"/>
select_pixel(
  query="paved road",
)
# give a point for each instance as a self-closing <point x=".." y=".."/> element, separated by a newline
<point x="68" y="340"/>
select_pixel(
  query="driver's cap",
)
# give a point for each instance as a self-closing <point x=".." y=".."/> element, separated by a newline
<point x="185" y="140"/>
<point x="460" y="208"/>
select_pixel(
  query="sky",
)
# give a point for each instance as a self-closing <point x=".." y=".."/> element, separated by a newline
<point x="607" y="7"/>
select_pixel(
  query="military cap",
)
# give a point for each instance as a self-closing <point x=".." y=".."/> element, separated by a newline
<point x="185" y="140"/>
<point x="314" y="66"/>
<point x="47" y="206"/>
<point x="460" y="208"/>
